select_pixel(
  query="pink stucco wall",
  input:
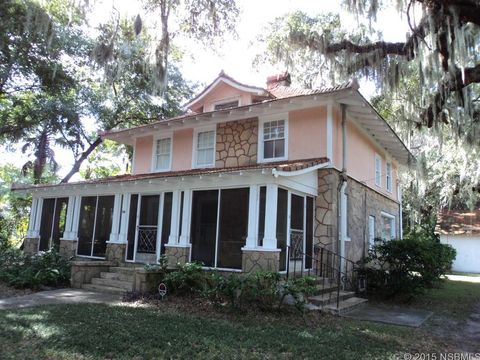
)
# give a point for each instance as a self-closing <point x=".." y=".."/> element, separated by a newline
<point x="307" y="133"/>
<point x="182" y="149"/>
<point x="361" y="152"/>
<point x="142" y="157"/>
<point x="223" y="92"/>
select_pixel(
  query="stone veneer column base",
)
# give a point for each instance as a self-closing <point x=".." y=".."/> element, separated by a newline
<point x="260" y="260"/>
<point x="68" y="248"/>
<point x="116" y="252"/>
<point x="30" y="245"/>
<point x="177" y="255"/>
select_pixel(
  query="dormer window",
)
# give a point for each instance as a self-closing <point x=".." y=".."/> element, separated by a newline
<point x="273" y="138"/>
<point x="226" y="105"/>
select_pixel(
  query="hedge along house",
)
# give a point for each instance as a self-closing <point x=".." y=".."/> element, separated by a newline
<point x="243" y="175"/>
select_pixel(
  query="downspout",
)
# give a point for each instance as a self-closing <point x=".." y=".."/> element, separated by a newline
<point x="342" y="188"/>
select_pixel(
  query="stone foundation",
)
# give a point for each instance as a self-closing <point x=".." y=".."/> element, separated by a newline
<point x="82" y="272"/>
<point x="258" y="260"/>
<point x="176" y="255"/>
<point x="68" y="248"/>
<point x="116" y="252"/>
<point x="147" y="281"/>
<point x="30" y="246"/>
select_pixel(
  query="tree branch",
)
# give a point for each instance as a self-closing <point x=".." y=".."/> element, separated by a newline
<point x="454" y="81"/>
<point x="81" y="159"/>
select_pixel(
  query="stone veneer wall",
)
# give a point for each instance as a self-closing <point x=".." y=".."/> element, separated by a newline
<point x="30" y="246"/>
<point x="257" y="260"/>
<point x="176" y="255"/>
<point x="363" y="202"/>
<point x="237" y="143"/>
<point x="68" y="248"/>
<point x="116" y="252"/>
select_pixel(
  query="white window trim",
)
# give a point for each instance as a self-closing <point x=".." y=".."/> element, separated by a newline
<point x="393" y="228"/>
<point x="261" y="121"/>
<point x="371" y="237"/>
<point x="196" y="131"/>
<point x="154" y="152"/>
<point x="379" y="182"/>
<point x="387" y="176"/>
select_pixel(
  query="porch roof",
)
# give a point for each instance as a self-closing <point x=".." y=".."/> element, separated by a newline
<point x="279" y="166"/>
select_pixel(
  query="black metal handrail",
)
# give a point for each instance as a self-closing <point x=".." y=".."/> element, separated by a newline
<point x="330" y="267"/>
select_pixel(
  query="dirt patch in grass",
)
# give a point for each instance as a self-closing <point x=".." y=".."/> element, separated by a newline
<point x="8" y="291"/>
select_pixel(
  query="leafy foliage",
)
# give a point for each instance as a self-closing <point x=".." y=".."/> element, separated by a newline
<point x="263" y="290"/>
<point x="405" y="268"/>
<point x="43" y="269"/>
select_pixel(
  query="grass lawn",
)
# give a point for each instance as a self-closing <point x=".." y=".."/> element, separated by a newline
<point x="180" y="331"/>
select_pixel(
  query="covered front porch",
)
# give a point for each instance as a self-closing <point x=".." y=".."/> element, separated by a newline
<point x="232" y="220"/>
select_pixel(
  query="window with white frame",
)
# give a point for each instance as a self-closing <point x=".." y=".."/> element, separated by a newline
<point x="388" y="226"/>
<point x="371" y="230"/>
<point x="378" y="170"/>
<point x="274" y="140"/>
<point x="162" y="156"/>
<point x="205" y="148"/>
<point x="389" y="176"/>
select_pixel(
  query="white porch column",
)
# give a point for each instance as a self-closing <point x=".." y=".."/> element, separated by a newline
<point x="67" y="234"/>
<point x="38" y="218"/>
<point x="31" y="222"/>
<point x="251" y="241"/>
<point x="187" y="201"/>
<point x="76" y="217"/>
<point x="270" y="238"/>
<point x="117" y="205"/>
<point x="174" y="224"/>
<point x="123" y="231"/>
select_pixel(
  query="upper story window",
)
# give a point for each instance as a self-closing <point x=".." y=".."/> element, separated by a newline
<point x="273" y="139"/>
<point x="204" y="148"/>
<point x="389" y="176"/>
<point x="162" y="154"/>
<point x="226" y="105"/>
<point x="378" y="170"/>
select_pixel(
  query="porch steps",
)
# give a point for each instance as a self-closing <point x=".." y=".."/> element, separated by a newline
<point x="345" y="305"/>
<point x="116" y="280"/>
<point x="327" y="302"/>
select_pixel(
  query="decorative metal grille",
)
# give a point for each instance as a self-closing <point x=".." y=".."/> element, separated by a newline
<point x="296" y="244"/>
<point x="147" y="239"/>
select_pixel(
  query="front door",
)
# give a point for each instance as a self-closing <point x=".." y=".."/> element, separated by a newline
<point x="147" y="229"/>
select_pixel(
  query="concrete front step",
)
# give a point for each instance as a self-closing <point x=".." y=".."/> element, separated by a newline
<point x="102" y="288"/>
<point x="344" y="305"/>
<point x="122" y="285"/>
<point x="116" y="276"/>
<point x="330" y="298"/>
<point x="130" y="270"/>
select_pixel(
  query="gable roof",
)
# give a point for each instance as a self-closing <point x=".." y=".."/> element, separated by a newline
<point x="459" y="222"/>
<point x="222" y="77"/>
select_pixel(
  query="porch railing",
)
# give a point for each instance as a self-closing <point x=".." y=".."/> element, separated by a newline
<point x="147" y="239"/>
<point x="333" y="271"/>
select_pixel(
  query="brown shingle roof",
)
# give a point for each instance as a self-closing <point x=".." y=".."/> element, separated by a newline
<point x="459" y="222"/>
<point x="292" y="165"/>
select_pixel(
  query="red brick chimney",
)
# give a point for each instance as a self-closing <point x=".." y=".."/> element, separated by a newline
<point x="279" y="79"/>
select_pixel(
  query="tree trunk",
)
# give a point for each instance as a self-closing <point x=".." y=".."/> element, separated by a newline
<point x="81" y="159"/>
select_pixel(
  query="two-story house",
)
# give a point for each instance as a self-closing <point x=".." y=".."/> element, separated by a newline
<point x="247" y="179"/>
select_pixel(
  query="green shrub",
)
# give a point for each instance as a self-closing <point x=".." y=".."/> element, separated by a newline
<point x="404" y="268"/>
<point x="186" y="279"/>
<point x="43" y="269"/>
